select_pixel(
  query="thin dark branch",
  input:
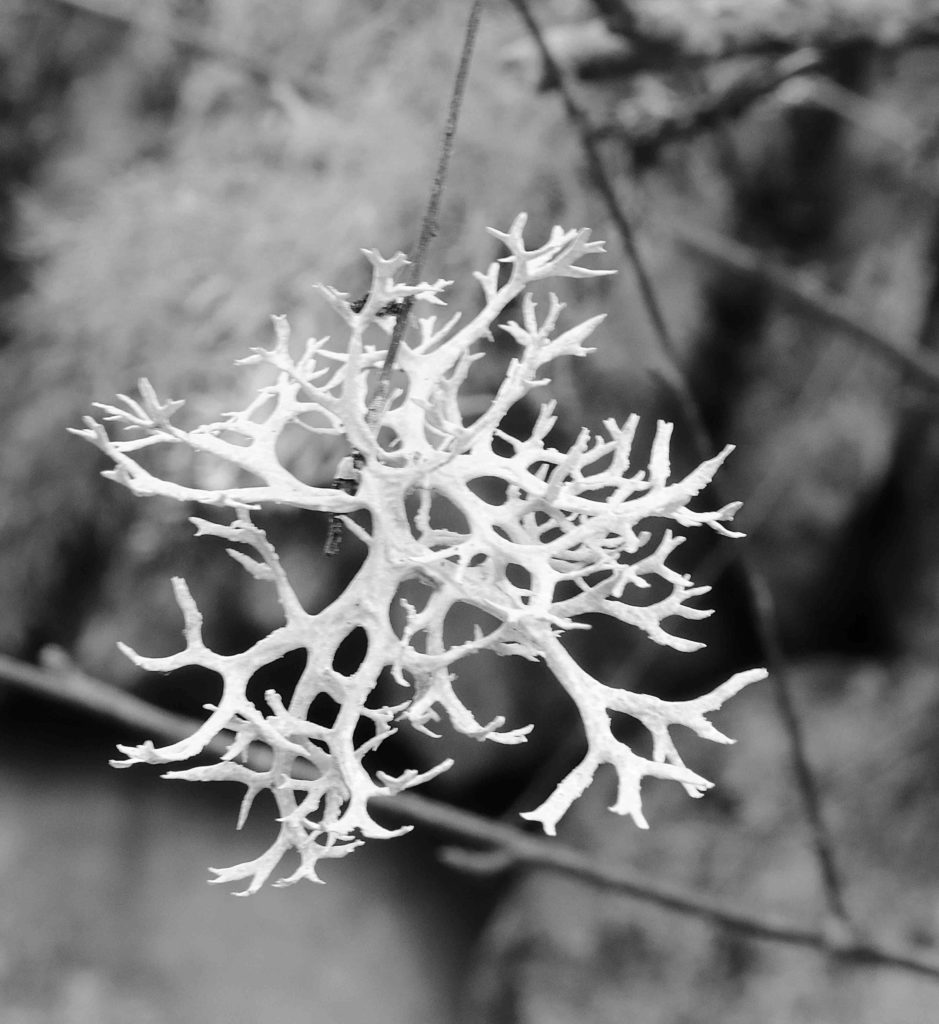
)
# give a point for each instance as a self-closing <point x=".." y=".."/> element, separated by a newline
<point x="627" y="235"/>
<point x="429" y="223"/>
<point x="809" y="294"/>
<point x="499" y="845"/>
<point x="697" y="34"/>
<point x="641" y="42"/>
<point x="760" y="598"/>
<point x="755" y="587"/>
<point x="512" y="846"/>
<point x="700" y="114"/>
<point x="379" y="400"/>
<point x="62" y="681"/>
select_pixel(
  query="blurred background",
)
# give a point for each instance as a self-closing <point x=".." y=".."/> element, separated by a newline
<point x="171" y="174"/>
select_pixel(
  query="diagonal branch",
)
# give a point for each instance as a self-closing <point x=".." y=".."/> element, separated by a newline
<point x="703" y="113"/>
<point x="429" y="224"/>
<point x="494" y="845"/>
<point x="660" y="38"/>
<point x="755" y="587"/>
<point x="581" y="123"/>
<point x="807" y="293"/>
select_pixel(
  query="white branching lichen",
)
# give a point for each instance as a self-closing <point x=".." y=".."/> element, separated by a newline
<point x="562" y="539"/>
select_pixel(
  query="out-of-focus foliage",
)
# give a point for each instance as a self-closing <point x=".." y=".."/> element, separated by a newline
<point x="183" y="201"/>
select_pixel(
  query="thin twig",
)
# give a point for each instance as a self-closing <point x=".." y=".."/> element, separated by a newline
<point x="663" y="45"/>
<point x="502" y="846"/>
<point x="704" y="114"/>
<point x="579" y="120"/>
<point x="760" y="598"/>
<point x="810" y="295"/>
<point x="755" y="587"/>
<point x="379" y="400"/>
<point x="429" y="223"/>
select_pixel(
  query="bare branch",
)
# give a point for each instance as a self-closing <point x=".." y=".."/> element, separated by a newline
<point x="755" y="587"/>
<point x="672" y="37"/>
<point x="429" y="225"/>
<point x="581" y="123"/>
<point x="695" y="115"/>
<point x="499" y="845"/>
<point x="809" y="294"/>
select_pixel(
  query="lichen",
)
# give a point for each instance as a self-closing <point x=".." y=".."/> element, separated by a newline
<point x="565" y="535"/>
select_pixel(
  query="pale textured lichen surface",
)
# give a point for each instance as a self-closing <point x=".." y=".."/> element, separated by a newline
<point x="561" y="536"/>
